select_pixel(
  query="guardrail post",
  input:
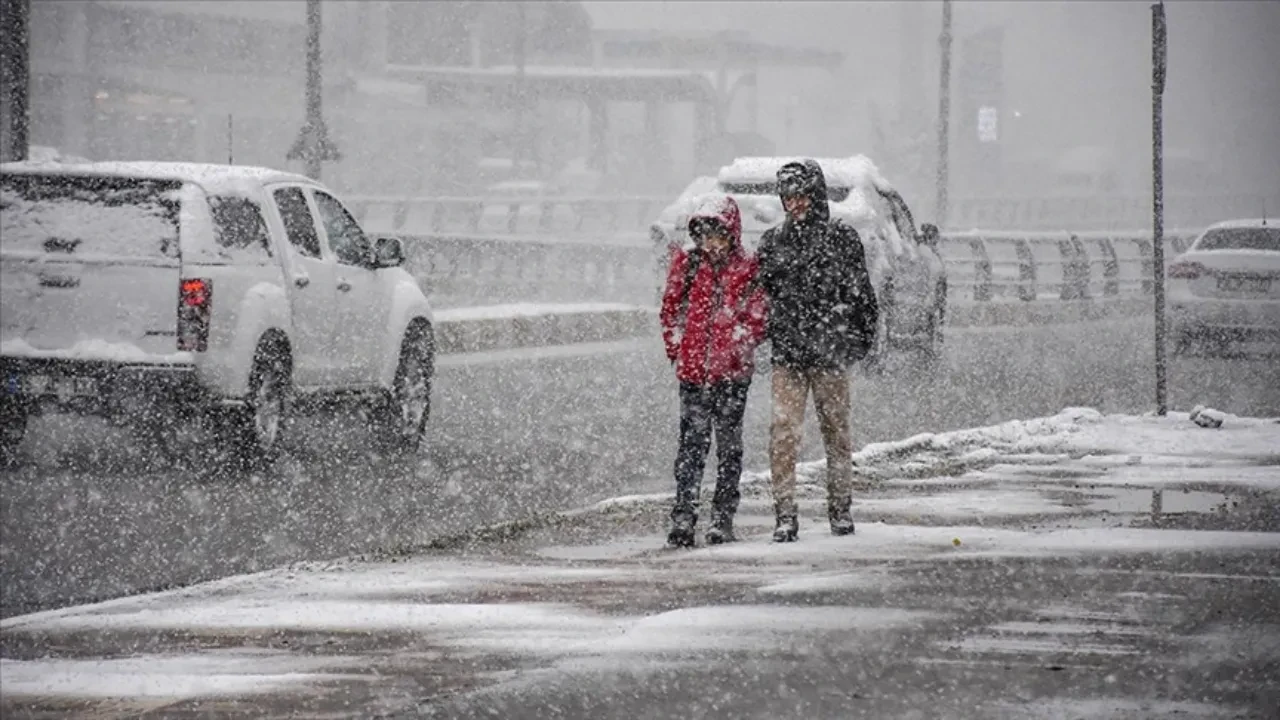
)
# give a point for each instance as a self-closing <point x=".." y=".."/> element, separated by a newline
<point x="1148" y="265"/>
<point x="1110" y="269"/>
<point x="1026" y="271"/>
<point x="1075" y="279"/>
<point x="1084" y="268"/>
<point x="982" y="271"/>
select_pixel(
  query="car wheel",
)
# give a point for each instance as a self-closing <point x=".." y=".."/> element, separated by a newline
<point x="933" y="345"/>
<point x="13" y="428"/>
<point x="402" y="420"/>
<point x="878" y="357"/>
<point x="254" y="433"/>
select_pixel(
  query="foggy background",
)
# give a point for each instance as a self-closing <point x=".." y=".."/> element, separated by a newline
<point x="425" y="98"/>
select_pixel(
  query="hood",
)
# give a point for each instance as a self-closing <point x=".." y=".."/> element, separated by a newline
<point x="723" y="209"/>
<point x="808" y="177"/>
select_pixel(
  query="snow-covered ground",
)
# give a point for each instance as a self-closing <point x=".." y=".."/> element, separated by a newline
<point x="1078" y="484"/>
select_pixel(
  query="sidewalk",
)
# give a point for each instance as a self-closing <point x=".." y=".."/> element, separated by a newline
<point x="1015" y="571"/>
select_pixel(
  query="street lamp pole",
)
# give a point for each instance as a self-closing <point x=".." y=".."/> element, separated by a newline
<point x="944" y="116"/>
<point x="15" y="78"/>
<point x="313" y="146"/>
<point x="1159" y="39"/>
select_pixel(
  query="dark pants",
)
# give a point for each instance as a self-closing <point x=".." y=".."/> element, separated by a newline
<point x="704" y="408"/>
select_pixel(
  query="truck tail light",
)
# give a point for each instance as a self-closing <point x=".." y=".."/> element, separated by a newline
<point x="195" y="303"/>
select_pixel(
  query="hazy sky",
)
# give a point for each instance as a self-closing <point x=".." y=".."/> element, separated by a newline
<point x="1078" y="71"/>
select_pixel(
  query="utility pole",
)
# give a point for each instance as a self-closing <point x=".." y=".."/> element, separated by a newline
<point x="313" y="145"/>
<point x="15" y="79"/>
<point x="518" y="151"/>
<point x="1159" y="38"/>
<point x="944" y="116"/>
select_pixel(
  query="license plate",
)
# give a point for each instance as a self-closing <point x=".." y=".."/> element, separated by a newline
<point x="63" y="387"/>
<point x="1236" y="283"/>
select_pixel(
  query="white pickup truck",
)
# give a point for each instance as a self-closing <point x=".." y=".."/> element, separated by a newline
<point x="156" y="293"/>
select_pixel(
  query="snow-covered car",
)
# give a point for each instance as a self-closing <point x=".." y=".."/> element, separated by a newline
<point x="906" y="268"/>
<point x="1226" y="288"/>
<point x="158" y="292"/>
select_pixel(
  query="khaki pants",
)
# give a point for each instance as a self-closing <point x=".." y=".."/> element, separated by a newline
<point x="831" y="400"/>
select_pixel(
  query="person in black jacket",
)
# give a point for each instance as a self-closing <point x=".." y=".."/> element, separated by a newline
<point x="823" y="318"/>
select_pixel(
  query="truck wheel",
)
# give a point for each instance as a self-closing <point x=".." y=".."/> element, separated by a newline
<point x="13" y="428"/>
<point x="401" y="421"/>
<point x="878" y="356"/>
<point x="933" y="348"/>
<point x="254" y="432"/>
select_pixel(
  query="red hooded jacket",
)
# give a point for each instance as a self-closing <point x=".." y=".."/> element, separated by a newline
<point x="711" y="332"/>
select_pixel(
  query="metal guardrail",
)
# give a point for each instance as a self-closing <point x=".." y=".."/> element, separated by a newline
<point x="995" y="279"/>
<point x="982" y="267"/>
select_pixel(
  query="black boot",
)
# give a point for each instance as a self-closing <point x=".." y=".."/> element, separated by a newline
<point x="721" y="529"/>
<point x="788" y="527"/>
<point x="681" y="534"/>
<point x="840" y="517"/>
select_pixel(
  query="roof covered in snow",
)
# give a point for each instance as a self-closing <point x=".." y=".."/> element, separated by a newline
<point x="1247" y="223"/>
<point x="207" y="175"/>
<point x="853" y="172"/>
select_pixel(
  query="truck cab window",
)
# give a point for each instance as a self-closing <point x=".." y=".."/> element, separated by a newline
<point x="298" y="223"/>
<point x="346" y="239"/>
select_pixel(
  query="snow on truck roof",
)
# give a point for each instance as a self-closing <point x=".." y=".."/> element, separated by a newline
<point x="853" y="172"/>
<point x="213" y="178"/>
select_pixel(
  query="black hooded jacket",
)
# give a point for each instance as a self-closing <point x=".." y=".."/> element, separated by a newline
<point x="823" y="310"/>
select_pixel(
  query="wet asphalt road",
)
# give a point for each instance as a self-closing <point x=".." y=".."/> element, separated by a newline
<point x="89" y="517"/>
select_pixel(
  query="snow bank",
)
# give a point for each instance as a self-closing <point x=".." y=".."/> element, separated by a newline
<point x="1135" y="442"/>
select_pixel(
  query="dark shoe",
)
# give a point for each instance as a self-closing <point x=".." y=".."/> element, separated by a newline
<point x="681" y="534"/>
<point x="841" y="518"/>
<point x="721" y="531"/>
<point x="788" y="528"/>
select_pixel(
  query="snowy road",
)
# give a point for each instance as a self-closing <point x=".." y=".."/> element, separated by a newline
<point x="1012" y="572"/>
<point x="87" y="519"/>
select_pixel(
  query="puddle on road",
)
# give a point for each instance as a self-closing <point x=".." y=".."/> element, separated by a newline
<point x="1166" y="502"/>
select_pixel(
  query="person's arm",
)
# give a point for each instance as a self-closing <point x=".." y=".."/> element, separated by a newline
<point x="671" y="295"/>
<point x="858" y="291"/>
<point x="766" y="262"/>
<point x="756" y="312"/>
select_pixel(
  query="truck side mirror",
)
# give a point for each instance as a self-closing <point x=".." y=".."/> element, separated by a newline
<point x="388" y="252"/>
<point x="929" y="235"/>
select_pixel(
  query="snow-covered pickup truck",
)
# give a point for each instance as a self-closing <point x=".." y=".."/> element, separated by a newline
<point x="158" y="293"/>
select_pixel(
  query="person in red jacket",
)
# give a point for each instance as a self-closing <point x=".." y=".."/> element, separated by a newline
<point x="713" y="318"/>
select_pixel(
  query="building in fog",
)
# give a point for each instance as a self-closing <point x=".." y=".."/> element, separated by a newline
<point x="420" y="97"/>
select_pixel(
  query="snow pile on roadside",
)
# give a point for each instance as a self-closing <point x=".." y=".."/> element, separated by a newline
<point x="1072" y="433"/>
<point x="957" y="450"/>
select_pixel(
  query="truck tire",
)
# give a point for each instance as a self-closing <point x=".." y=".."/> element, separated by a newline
<point x="254" y="433"/>
<point x="878" y="356"/>
<point x="400" y="422"/>
<point x="934" y="343"/>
